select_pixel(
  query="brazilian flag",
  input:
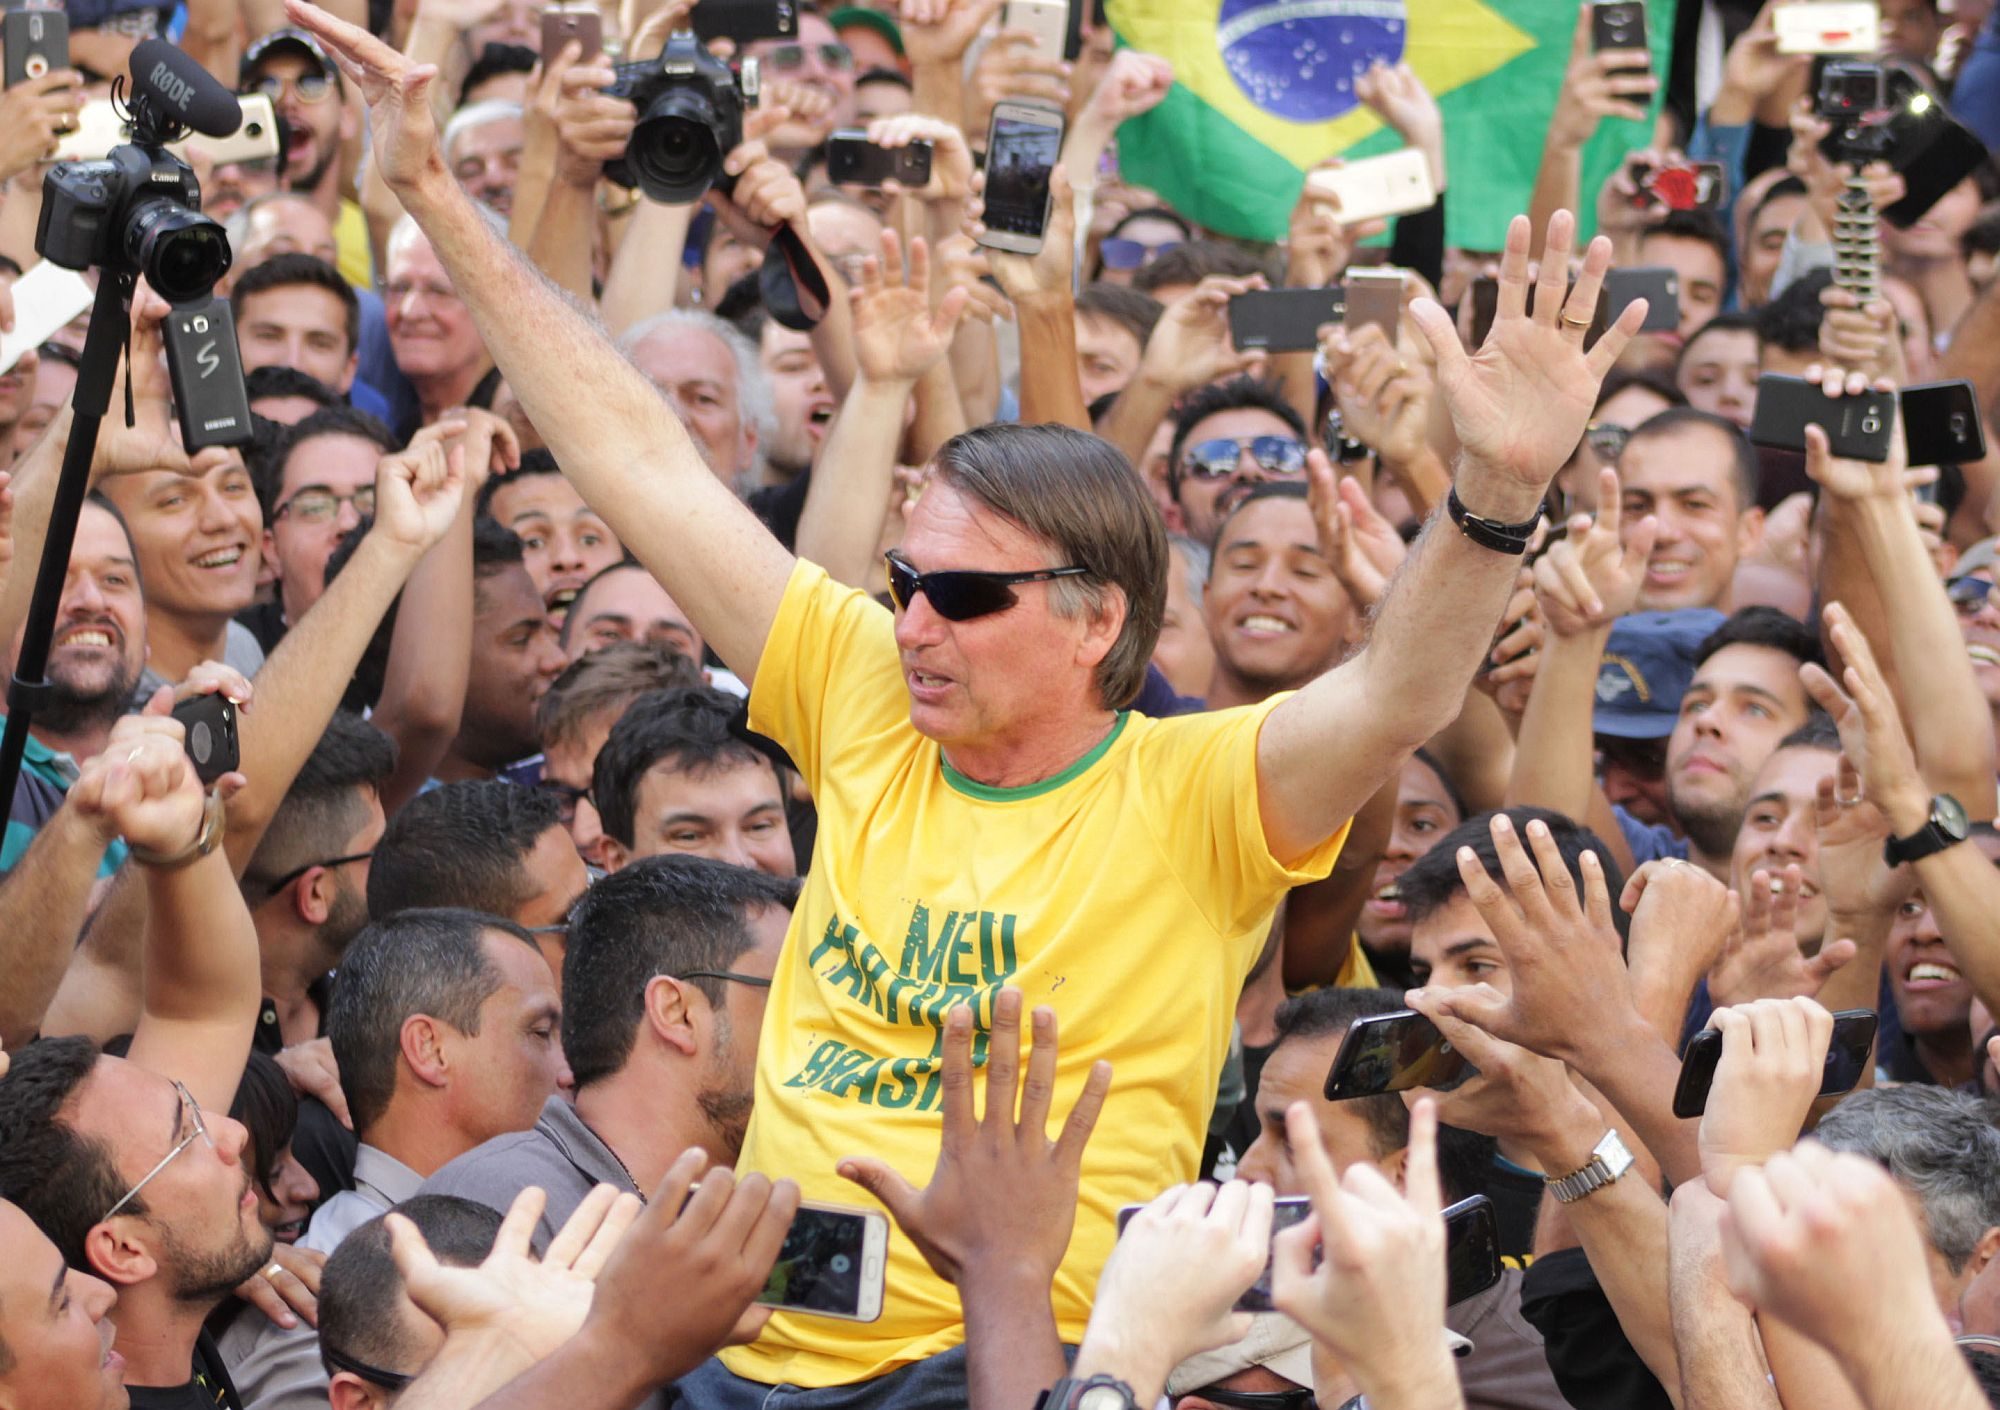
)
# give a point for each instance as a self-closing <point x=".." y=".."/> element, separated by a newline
<point x="1264" y="89"/>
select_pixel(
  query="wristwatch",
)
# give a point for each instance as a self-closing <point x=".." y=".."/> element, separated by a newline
<point x="1097" y="1393"/>
<point x="1608" y="1160"/>
<point x="1490" y="533"/>
<point x="1947" y="828"/>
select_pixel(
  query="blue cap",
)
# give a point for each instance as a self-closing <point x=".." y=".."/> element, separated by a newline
<point x="1647" y="667"/>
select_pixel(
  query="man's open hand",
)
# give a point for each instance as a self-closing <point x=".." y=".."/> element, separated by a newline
<point x="897" y="336"/>
<point x="402" y="127"/>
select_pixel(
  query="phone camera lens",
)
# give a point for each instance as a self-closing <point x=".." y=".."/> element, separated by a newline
<point x="201" y="742"/>
<point x="840" y="1263"/>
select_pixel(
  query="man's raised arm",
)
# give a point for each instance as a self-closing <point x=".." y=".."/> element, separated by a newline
<point x="613" y="434"/>
<point x="1519" y="405"/>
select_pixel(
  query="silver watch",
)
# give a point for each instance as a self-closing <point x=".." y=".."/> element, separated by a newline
<point x="1608" y="1160"/>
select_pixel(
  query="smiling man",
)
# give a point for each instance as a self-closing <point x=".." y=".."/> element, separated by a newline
<point x="1227" y="437"/>
<point x="55" y="1328"/>
<point x="1933" y="996"/>
<point x="1696" y="474"/>
<point x="1277" y="616"/>
<point x="564" y="542"/>
<point x="430" y="331"/>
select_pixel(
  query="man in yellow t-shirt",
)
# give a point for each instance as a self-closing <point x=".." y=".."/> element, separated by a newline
<point x="988" y="813"/>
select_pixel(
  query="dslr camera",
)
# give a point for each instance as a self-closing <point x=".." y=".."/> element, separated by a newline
<point x="691" y="107"/>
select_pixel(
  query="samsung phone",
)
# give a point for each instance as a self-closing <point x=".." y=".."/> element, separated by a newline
<point x="1396" y="183"/>
<point x="1023" y="144"/>
<point x="1941" y="423"/>
<point x="99" y="128"/>
<point x="209" y="722"/>
<point x="45" y="298"/>
<point x="852" y="160"/>
<point x="1618" y="24"/>
<point x="1394" y="1052"/>
<point x="741" y="21"/>
<point x="1047" y="20"/>
<point x="1658" y="285"/>
<point x="206" y="369"/>
<point x="1283" y="320"/>
<point x="1374" y="296"/>
<point x="562" y="23"/>
<point x="832" y="1264"/>
<point x="37" y="43"/>
<point x="1837" y="28"/>
<point x="1679" y="186"/>
<point x="1857" y="428"/>
<point x="1846" y="1061"/>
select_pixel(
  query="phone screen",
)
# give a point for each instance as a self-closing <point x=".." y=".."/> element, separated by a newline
<point x="1471" y="1249"/>
<point x="1393" y="1053"/>
<point x="820" y="1267"/>
<point x="1019" y="157"/>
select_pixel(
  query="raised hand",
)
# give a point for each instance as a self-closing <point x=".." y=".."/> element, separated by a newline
<point x="1592" y="577"/>
<point x="591" y="126"/>
<point x="153" y="440"/>
<point x="1363" y="547"/>
<point x="402" y="127"/>
<point x="1855" y="479"/>
<point x="1520" y="403"/>
<point x="1383" y="397"/>
<point x="1394" y="93"/>
<point x="767" y="194"/>
<point x="1517" y="1095"/>
<point x="33" y="115"/>
<point x="310" y="1069"/>
<point x="1681" y="919"/>
<point x="1014" y="66"/>
<point x="1762" y="959"/>
<point x="951" y="158"/>
<point x="1046" y="272"/>
<point x="897" y="338"/>
<point x="142" y="787"/>
<point x="940" y="31"/>
<point x="420" y="489"/>
<point x="1135" y="82"/>
<point x="954" y="1221"/>
<point x="1870" y="725"/>
<point x="491" y="446"/>
<point x="1190" y="345"/>
<point x="1593" y="89"/>
<point x="1773" y="1059"/>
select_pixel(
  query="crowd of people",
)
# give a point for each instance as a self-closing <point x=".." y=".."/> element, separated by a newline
<point x="969" y="749"/>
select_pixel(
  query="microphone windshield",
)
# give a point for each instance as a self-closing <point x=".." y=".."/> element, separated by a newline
<point x="183" y="90"/>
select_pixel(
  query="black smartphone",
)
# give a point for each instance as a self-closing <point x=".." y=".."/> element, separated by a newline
<point x="831" y="1264"/>
<point x="852" y="160"/>
<point x="210" y="722"/>
<point x="1285" y="1212"/>
<point x="1846" y="1061"/>
<point x="1023" y="143"/>
<point x="741" y="21"/>
<point x="1941" y="423"/>
<point x="1283" y="320"/>
<point x="1618" y="24"/>
<point x="37" y="43"/>
<point x="1394" y="1052"/>
<point x="206" y="369"/>
<point x="1657" y="284"/>
<point x="1471" y="1249"/>
<point x="1857" y="428"/>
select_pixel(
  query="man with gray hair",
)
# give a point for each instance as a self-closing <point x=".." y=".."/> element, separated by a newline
<point x="482" y="145"/>
<point x="431" y="333"/>
<point x="1943" y="1149"/>
<point x="710" y="374"/>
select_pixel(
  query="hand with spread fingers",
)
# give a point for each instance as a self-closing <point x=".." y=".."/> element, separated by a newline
<point x="1762" y="958"/>
<point x="1363" y="547"/>
<point x="897" y="335"/>
<point x="402" y="125"/>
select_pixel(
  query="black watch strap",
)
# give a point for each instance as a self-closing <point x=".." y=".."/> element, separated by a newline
<point x="1946" y="827"/>
<point x="1490" y="533"/>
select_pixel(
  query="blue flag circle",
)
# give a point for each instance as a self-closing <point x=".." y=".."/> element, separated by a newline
<point x="1298" y="59"/>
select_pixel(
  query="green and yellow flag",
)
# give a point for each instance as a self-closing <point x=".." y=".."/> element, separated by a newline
<point x="1264" y="89"/>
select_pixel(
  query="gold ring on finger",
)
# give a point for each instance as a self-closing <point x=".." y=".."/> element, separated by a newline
<point x="1570" y="320"/>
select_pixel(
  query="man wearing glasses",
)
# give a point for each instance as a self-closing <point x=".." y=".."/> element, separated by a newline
<point x="305" y="87"/>
<point x="129" y="1164"/>
<point x="1229" y="436"/>
<point x="989" y="812"/>
<point x="318" y="484"/>
<point x="816" y="60"/>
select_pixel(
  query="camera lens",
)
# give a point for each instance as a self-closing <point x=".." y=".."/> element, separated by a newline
<point x="180" y="251"/>
<point x="676" y="152"/>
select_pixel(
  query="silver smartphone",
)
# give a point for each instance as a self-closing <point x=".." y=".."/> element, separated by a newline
<point x="1022" y="147"/>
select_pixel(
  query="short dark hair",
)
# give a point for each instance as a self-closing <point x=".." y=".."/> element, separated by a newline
<point x="325" y="803"/>
<point x="1465" y="1158"/>
<point x="61" y="1178"/>
<point x="360" y="1282"/>
<point x="1725" y="322"/>
<point x="1270" y="489"/>
<point x="608" y="679"/>
<point x="277" y="380"/>
<point x="1791" y="319"/>
<point x="1743" y="470"/>
<point x="1763" y="626"/>
<point x="695" y="729"/>
<point x="494" y="546"/>
<point x="1818" y="732"/>
<point x="1197" y="259"/>
<point x="339" y="419"/>
<point x="1130" y="309"/>
<point x="533" y="462"/>
<point x="496" y="61"/>
<point x="1432" y="881"/>
<point x="1618" y="379"/>
<point x="283" y="271"/>
<point x="878" y="74"/>
<point x="430" y="961"/>
<point x="661" y="915"/>
<point x="1701" y="226"/>
<point x="460" y="845"/>
<point x="269" y="1110"/>
<point x="1236" y="394"/>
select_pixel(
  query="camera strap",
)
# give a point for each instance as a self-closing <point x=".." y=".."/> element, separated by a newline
<point x="791" y="284"/>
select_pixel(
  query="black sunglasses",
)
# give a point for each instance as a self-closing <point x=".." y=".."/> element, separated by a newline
<point x="752" y="980"/>
<point x="960" y="594"/>
<point x="374" y="1375"/>
<point x="1216" y="459"/>
<point x="1300" y="1399"/>
<point x="1968" y="595"/>
<point x="295" y="873"/>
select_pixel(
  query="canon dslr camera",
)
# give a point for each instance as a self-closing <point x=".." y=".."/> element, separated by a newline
<point x="691" y="107"/>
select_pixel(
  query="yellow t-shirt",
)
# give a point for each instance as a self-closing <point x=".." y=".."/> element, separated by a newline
<point x="350" y="239"/>
<point x="1132" y="893"/>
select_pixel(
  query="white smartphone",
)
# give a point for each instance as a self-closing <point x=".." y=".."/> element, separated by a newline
<point x="1396" y="183"/>
<point x="1022" y="147"/>
<point x="832" y="1264"/>
<point x="1047" y="20"/>
<point x="99" y="129"/>
<point x="45" y="298"/>
<point x="1845" y="27"/>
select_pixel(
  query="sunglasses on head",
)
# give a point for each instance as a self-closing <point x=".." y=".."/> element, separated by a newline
<point x="1217" y="459"/>
<point x="960" y="594"/>
<point x="1968" y="595"/>
<point x="1117" y="252"/>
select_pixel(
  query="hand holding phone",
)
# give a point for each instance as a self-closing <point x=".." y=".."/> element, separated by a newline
<point x="1394" y="1052"/>
<point x="563" y="23"/>
<point x="1023" y="144"/>
<point x="853" y="160"/>
<point x="209" y="723"/>
<point x="37" y="43"/>
<point x="1857" y="428"/>
<point x="1618" y="24"/>
<point x="1771" y="1060"/>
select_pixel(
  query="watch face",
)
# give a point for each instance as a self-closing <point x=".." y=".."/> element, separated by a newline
<point x="1102" y="1398"/>
<point x="1950" y="814"/>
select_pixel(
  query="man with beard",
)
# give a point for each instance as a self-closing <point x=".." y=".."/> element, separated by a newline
<point x="305" y="87"/>
<point x="1227" y="437"/>
<point x="664" y="985"/>
<point x="95" y="659"/>
<point x="130" y="1165"/>
<point x="444" y="1027"/>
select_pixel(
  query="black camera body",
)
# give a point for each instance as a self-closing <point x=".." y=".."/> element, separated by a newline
<point x="138" y="210"/>
<point x="1851" y="91"/>
<point x="691" y="106"/>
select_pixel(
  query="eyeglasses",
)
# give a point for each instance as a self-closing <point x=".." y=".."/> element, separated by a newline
<point x="784" y="58"/>
<point x="316" y="504"/>
<point x="399" y="289"/>
<point x="1968" y="595"/>
<point x="1607" y="438"/>
<point x="1117" y="252"/>
<point x="354" y="1366"/>
<point x="310" y="87"/>
<point x="1300" y="1399"/>
<point x="959" y="595"/>
<point x="296" y="872"/>
<point x="1217" y="459"/>
<point x="566" y="798"/>
<point x="196" y="1130"/>
<point x="731" y="975"/>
